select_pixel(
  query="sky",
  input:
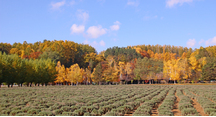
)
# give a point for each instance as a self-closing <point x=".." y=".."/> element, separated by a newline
<point x="107" y="23"/>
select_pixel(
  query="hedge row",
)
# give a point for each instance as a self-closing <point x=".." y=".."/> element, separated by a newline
<point x="185" y="105"/>
<point x="166" y="107"/>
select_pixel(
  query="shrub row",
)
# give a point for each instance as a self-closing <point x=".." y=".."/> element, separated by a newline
<point x="166" y="107"/>
<point x="185" y="105"/>
<point x="146" y="107"/>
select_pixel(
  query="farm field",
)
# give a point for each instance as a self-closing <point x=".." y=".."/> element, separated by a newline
<point x="109" y="100"/>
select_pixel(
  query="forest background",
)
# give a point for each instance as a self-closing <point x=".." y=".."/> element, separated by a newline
<point x="67" y="62"/>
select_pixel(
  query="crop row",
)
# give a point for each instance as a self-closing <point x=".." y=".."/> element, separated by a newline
<point x="95" y="103"/>
<point x="185" y="105"/>
<point x="206" y="104"/>
<point x="146" y="107"/>
<point x="133" y="104"/>
<point x="205" y="92"/>
<point x="166" y="107"/>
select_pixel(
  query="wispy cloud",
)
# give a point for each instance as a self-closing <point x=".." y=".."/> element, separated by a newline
<point x="191" y="43"/>
<point x="82" y="15"/>
<point x="96" y="31"/>
<point x="102" y="43"/>
<point x="201" y="41"/>
<point x="77" y="29"/>
<point x="211" y="41"/>
<point x="116" y="26"/>
<point x="57" y="5"/>
<point x="172" y="3"/>
<point x="72" y="2"/>
<point x="133" y="3"/>
<point x="95" y="43"/>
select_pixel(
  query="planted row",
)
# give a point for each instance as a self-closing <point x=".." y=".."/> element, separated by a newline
<point x="166" y="107"/>
<point x="185" y="105"/>
<point x="146" y="107"/>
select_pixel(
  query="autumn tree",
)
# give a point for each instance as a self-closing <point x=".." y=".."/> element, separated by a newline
<point x="61" y="73"/>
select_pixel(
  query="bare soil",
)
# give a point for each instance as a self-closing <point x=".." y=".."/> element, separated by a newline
<point x="154" y="111"/>
<point x="175" y="110"/>
<point x="198" y="107"/>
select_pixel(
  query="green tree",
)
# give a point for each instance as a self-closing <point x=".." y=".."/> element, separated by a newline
<point x="97" y="74"/>
<point x="208" y="71"/>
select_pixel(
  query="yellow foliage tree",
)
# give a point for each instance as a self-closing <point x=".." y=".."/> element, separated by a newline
<point x="75" y="74"/>
<point x="171" y="69"/>
<point x="121" y="69"/>
<point x="61" y="73"/>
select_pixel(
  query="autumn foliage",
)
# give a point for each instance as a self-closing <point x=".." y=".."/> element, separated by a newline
<point x="69" y="63"/>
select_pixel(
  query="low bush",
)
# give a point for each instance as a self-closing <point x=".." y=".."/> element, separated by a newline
<point x="94" y="112"/>
<point x="165" y="113"/>
<point x="87" y="114"/>
<point x="66" y="108"/>
<point x="67" y="114"/>
<point x="14" y="112"/>
<point x="209" y="110"/>
<point x="213" y="114"/>
<point x="184" y="105"/>
<point x="33" y="111"/>
<point x="45" y="113"/>
<point x="7" y="111"/>
<point x="189" y="111"/>
<point x="58" y="111"/>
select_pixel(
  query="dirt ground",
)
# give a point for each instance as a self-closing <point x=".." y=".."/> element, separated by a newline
<point x="175" y="110"/>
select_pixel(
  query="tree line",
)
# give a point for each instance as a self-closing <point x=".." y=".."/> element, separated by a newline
<point x="14" y="69"/>
<point x="67" y="62"/>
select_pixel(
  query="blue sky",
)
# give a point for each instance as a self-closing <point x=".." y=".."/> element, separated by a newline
<point x="108" y="23"/>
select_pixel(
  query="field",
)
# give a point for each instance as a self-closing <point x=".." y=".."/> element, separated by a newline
<point x="109" y="100"/>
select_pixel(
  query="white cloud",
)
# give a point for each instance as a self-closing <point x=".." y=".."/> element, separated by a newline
<point x="191" y="42"/>
<point x="117" y="23"/>
<point x="57" y="5"/>
<point x="94" y="43"/>
<point x="171" y="3"/>
<point x="211" y="41"/>
<point x="102" y="43"/>
<point x="116" y="26"/>
<point x="82" y="15"/>
<point x="77" y="29"/>
<point x="95" y="31"/>
<point x="133" y="3"/>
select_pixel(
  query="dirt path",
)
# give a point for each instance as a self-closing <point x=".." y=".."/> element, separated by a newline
<point x="154" y="111"/>
<point x="175" y="110"/>
<point x="198" y="107"/>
